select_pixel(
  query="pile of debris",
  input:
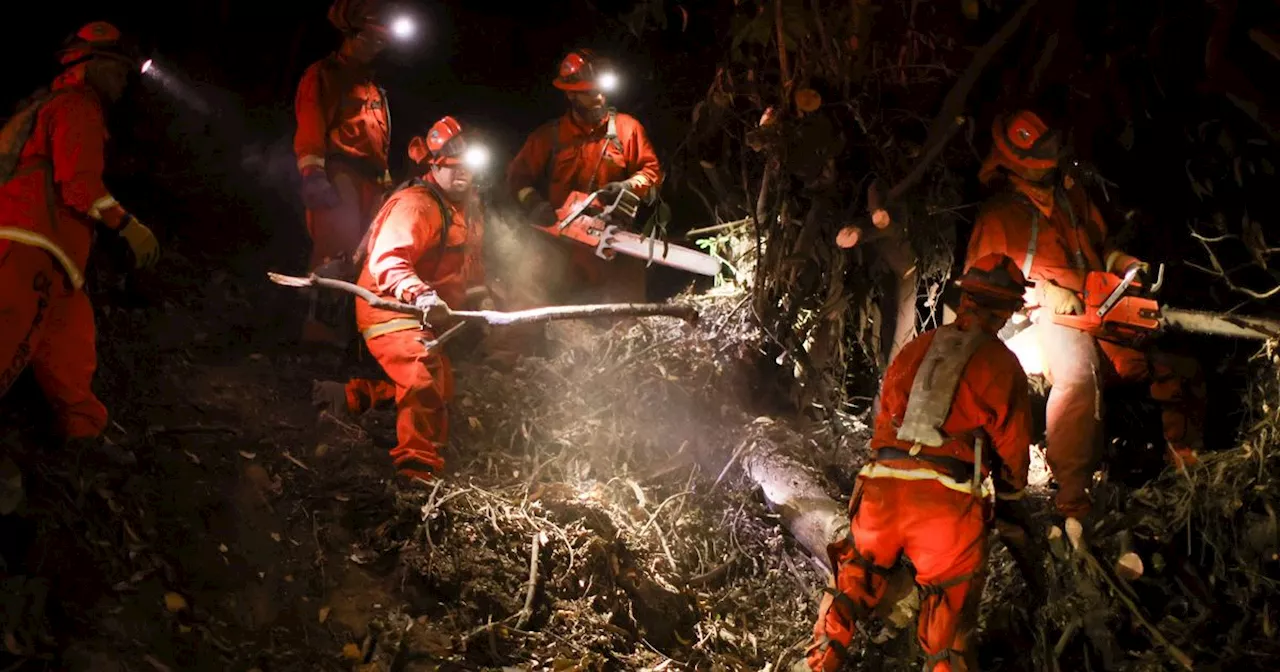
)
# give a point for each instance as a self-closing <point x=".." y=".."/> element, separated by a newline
<point x="594" y="517"/>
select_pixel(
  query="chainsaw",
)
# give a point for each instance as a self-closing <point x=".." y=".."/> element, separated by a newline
<point x="1121" y="309"/>
<point x="591" y="219"/>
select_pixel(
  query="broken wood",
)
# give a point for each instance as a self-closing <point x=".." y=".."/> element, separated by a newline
<point x="496" y="317"/>
<point x="813" y="518"/>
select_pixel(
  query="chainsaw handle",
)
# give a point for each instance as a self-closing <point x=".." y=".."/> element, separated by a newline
<point x="576" y="212"/>
<point x="1155" y="287"/>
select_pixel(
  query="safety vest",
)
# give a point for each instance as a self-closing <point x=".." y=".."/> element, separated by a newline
<point x="933" y="390"/>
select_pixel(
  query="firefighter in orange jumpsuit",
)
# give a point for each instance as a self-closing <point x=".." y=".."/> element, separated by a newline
<point x="592" y="147"/>
<point x="50" y="203"/>
<point x="424" y="248"/>
<point x="343" y="136"/>
<point x="1046" y="222"/>
<point x="954" y="409"/>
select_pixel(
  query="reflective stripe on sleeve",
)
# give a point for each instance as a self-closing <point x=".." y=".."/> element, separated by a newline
<point x="102" y="205"/>
<point x="310" y="160"/>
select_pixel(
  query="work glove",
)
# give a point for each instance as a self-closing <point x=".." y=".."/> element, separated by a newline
<point x="542" y="214"/>
<point x="1060" y="300"/>
<point x="612" y="189"/>
<point x="146" y="249"/>
<point x="431" y="306"/>
<point x="317" y="192"/>
<point x="1143" y="268"/>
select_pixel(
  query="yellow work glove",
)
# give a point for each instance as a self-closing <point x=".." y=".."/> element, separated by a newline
<point x="146" y="249"/>
<point x="1060" y="300"/>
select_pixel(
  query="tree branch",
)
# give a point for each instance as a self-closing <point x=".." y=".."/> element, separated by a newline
<point x="500" y="318"/>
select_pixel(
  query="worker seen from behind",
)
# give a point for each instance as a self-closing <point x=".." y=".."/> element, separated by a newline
<point x="591" y="147"/>
<point x="1045" y="220"/>
<point x="341" y="144"/>
<point x="954" y="410"/>
<point x="52" y="198"/>
<point x="425" y="249"/>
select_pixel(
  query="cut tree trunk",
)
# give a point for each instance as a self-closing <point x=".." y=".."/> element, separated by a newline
<point x="794" y="492"/>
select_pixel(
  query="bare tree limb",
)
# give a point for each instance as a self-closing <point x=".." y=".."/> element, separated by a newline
<point x="500" y="318"/>
<point x="1220" y="272"/>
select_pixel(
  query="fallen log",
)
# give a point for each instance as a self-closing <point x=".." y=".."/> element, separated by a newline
<point x="792" y="491"/>
<point x="497" y="317"/>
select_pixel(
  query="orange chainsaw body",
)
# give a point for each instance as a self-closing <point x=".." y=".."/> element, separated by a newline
<point x="591" y="221"/>
<point x="1130" y="319"/>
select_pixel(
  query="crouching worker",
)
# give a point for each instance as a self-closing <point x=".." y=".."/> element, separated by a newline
<point x="954" y="410"/>
<point x="423" y="248"/>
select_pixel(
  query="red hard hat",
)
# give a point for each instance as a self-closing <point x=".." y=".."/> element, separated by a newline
<point x="995" y="281"/>
<point x="442" y="145"/>
<point x="353" y="16"/>
<point x="579" y="71"/>
<point x="1024" y="142"/>
<point x="93" y="39"/>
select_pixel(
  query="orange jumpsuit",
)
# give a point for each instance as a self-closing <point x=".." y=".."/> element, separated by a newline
<point x="923" y="509"/>
<point x="47" y="213"/>
<point x="344" y="128"/>
<point x="584" y="160"/>
<point x="1072" y="240"/>
<point x="410" y="252"/>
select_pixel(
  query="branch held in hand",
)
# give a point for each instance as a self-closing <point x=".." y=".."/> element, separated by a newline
<point x="496" y="317"/>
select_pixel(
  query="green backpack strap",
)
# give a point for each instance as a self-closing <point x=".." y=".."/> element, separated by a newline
<point x="17" y="131"/>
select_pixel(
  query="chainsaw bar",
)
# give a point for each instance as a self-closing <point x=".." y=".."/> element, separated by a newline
<point x="655" y="251"/>
<point x="603" y="232"/>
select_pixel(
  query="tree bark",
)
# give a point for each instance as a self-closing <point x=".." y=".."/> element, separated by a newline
<point x="791" y="490"/>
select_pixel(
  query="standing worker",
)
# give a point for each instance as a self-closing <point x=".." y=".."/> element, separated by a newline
<point x="591" y="147"/>
<point x="424" y="248"/>
<point x="1046" y="222"/>
<point x="342" y="141"/>
<point x="51" y="199"/>
<point x="954" y="410"/>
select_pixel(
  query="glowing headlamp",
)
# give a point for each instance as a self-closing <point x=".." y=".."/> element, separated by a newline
<point x="403" y="28"/>
<point x="476" y="158"/>
<point x="607" y="82"/>
<point x="147" y="65"/>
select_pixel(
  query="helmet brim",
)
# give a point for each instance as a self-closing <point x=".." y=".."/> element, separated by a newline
<point x="577" y="87"/>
